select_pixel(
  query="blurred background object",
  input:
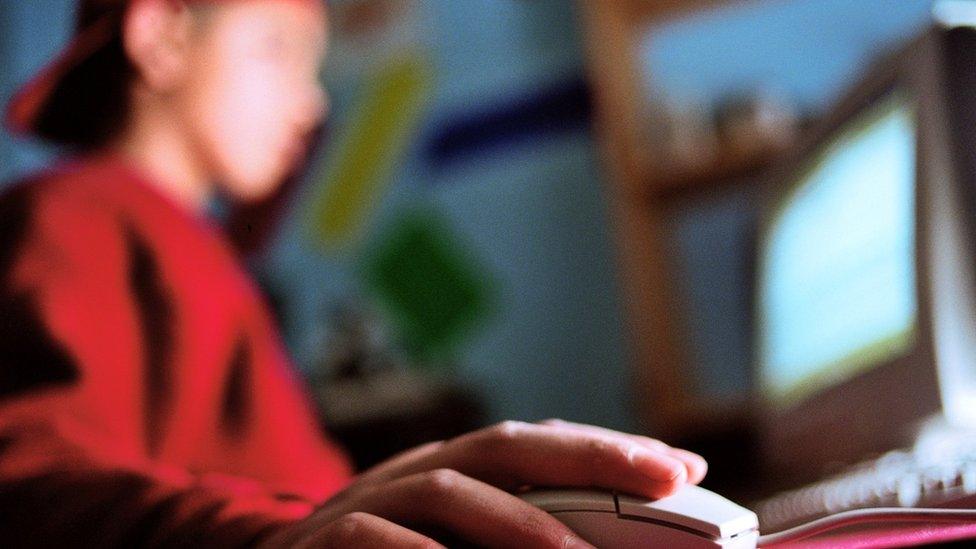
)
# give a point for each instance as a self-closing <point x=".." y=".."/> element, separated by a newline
<point x="526" y="209"/>
<point x="679" y="88"/>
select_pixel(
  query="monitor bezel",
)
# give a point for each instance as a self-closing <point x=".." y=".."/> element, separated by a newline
<point x="878" y="409"/>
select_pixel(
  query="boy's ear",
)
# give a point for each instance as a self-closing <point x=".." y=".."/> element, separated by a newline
<point x="156" y="35"/>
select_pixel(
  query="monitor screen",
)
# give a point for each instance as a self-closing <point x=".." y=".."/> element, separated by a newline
<point x="837" y="280"/>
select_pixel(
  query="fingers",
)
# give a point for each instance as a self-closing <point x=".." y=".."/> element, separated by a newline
<point x="362" y="530"/>
<point x="512" y="454"/>
<point x="696" y="465"/>
<point x="352" y="530"/>
<point x="543" y="455"/>
<point x="400" y="464"/>
<point x="448" y="500"/>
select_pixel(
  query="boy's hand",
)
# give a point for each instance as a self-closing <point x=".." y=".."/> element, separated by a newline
<point x="463" y="486"/>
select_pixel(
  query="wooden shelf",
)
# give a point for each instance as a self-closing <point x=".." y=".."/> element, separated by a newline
<point x="638" y="188"/>
<point x="726" y="168"/>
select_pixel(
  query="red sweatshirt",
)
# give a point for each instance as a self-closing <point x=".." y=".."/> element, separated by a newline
<point x="145" y="398"/>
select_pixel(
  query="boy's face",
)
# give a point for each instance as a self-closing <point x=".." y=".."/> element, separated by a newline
<point x="252" y="93"/>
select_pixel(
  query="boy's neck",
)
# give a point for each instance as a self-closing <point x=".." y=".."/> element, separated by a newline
<point x="160" y="149"/>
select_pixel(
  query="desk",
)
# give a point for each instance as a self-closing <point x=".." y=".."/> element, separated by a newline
<point x="377" y="416"/>
<point x="907" y="535"/>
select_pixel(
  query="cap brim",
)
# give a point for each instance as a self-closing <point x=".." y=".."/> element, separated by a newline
<point x="28" y="102"/>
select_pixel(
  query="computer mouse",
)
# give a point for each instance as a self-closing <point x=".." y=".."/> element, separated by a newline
<point x="692" y="518"/>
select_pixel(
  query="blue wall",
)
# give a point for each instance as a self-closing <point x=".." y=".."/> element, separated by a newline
<point x="30" y="34"/>
<point x="808" y="50"/>
<point x="525" y="202"/>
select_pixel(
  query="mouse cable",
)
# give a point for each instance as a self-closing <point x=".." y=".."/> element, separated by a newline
<point x="861" y="516"/>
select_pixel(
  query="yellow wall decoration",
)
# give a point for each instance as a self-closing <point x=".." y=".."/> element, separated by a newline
<point x="366" y="155"/>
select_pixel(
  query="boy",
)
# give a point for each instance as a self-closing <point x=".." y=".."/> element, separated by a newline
<point x="144" y="396"/>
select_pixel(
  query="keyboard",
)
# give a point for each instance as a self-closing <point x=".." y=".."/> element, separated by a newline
<point x="927" y="476"/>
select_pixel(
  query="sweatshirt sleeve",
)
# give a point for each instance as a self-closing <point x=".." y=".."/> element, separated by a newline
<point x="55" y="494"/>
<point x="73" y="465"/>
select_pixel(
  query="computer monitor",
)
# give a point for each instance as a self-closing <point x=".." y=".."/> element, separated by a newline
<point x="865" y="304"/>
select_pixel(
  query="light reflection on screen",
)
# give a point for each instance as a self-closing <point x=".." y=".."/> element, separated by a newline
<point x="837" y="278"/>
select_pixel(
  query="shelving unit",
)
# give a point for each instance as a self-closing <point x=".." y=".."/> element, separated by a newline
<point x="641" y="182"/>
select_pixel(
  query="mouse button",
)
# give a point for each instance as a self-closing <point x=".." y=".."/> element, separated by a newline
<point x="602" y="529"/>
<point x="571" y="500"/>
<point x="695" y="508"/>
